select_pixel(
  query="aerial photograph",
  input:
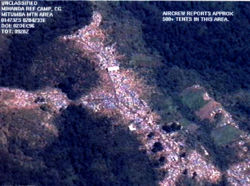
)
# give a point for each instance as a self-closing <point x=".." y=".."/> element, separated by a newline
<point x="124" y="93"/>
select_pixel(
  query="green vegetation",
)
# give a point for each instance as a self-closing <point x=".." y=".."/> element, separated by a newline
<point x="164" y="103"/>
<point x="225" y="135"/>
<point x="193" y="99"/>
<point x="185" y="122"/>
<point x="141" y="60"/>
<point x="165" y="106"/>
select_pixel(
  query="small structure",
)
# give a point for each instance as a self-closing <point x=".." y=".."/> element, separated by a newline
<point x="113" y="68"/>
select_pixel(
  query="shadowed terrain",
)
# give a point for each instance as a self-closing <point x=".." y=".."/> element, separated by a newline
<point x="88" y="151"/>
<point x="17" y="64"/>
